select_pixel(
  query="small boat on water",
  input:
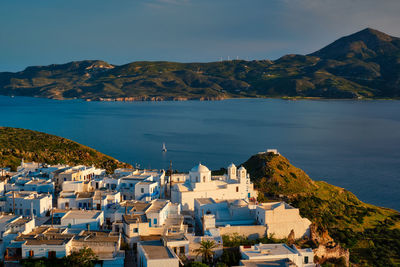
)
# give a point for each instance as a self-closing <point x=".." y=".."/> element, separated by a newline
<point x="164" y="149"/>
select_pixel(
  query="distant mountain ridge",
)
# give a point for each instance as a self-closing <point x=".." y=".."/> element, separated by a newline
<point x="365" y="64"/>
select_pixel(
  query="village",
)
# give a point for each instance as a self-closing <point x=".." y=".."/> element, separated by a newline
<point x="138" y="217"/>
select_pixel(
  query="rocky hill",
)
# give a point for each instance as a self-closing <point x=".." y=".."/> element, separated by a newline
<point x="17" y="144"/>
<point x="363" y="65"/>
<point x="371" y="233"/>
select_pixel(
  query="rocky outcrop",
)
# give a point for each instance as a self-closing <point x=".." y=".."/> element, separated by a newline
<point x="327" y="249"/>
<point x="336" y="252"/>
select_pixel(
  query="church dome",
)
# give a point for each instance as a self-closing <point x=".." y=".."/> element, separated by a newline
<point x="200" y="168"/>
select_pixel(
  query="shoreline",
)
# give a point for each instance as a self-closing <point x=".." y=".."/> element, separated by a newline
<point x="180" y="99"/>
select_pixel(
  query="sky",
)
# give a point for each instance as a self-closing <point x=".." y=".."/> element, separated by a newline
<point x="43" y="32"/>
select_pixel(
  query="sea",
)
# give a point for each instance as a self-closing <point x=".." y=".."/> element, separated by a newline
<point x="351" y="144"/>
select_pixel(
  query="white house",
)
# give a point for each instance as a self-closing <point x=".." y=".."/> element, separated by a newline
<point x="281" y="219"/>
<point x="26" y="202"/>
<point x="155" y="254"/>
<point x="250" y="219"/>
<point x="147" y="190"/>
<point x="275" y="253"/>
<point x="83" y="219"/>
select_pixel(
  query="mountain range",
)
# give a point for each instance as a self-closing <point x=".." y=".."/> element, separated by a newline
<point x="365" y="64"/>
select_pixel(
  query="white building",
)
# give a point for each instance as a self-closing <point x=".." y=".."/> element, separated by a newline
<point x="147" y="190"/>
<point x="83" y="219"/>
<point x="155" y="254"/>
<point x="25" y="203"/>
<point x="281" y="219"/>
<point x="272" y="254"/>
<point x="51" y="242"/>
<point x="235" y="185"/>
<point x="10" y="227"/>
<point x="158" y="217"/>
<point x="250" y="219"/>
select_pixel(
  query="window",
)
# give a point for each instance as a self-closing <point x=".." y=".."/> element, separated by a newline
<point x="181" y="250"/>
<point x="155" y="221"/>
<point x="31" y="254"/>
<point x="306" y="259"/>
<point x="237" y="188"/>
<point x="204" y="179"/>
<point x="142" y="190"/>
<point x="135" y="230"/>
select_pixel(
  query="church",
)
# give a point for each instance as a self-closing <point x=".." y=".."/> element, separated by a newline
<point x="200" y="184"/>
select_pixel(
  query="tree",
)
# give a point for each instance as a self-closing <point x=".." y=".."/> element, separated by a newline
<point x="85" y="257"/>
<point x="196" y="264"/>
<point x="206" y="250"/>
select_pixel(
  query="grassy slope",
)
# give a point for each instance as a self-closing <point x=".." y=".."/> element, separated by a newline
<point x="16" y="144"/>
<point x="371" y="233"/>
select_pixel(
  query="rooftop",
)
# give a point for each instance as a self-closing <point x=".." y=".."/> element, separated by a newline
<point x="155" y="250"/>
<point x="274" y="205"/>
<point x="138" y="206"/>
<point x="133" y="218"/>
<point x="266" y="250"/>
<point x="265" y="263"/>
<point x="157" y="205"/>
<point x="54" y="242"/>
<point x="82" y="214"/>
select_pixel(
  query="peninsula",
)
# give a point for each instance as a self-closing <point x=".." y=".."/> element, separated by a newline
<point x="363" y="65"/>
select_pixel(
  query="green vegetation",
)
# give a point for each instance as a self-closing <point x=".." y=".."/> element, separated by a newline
<point x="17" y="144"/>
<point x="206" y="250"/>
<point x="363" y="65"/>
<point x="370" y="233"/>
<point x="85" y="257"/>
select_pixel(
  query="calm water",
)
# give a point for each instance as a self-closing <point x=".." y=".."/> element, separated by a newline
<point x="352" y="144"/>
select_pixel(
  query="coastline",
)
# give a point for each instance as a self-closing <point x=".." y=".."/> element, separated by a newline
<point x="203" y="98"/>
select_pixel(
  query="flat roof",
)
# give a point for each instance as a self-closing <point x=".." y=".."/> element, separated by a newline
<point x="156" y="250"/>
<point x="176" y="237"/>
<point x="7" y="218"/>
<point x="204" y="201"/>
<point x="20" y="221"/>
<point x="54" y="242"/>
<point x="267" y="249"/>
<point x="157" y="205"/>
<point x="134" y="218"/>
<point x="274" y="205"/>
<point x="137" y="205"/>
<point x="265" y="263"/>
<point x="82" y="214"/>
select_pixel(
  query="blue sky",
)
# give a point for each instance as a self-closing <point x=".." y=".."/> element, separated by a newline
<point x="43" y="32"/>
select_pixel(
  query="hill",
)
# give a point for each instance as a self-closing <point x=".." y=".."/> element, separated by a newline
<point x="371" y="233"/>
<point x="16" y="144"/>
<point x="362" y="65"/>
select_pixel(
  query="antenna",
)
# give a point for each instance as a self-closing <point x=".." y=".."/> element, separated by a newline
<point x="170" y="178"/>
